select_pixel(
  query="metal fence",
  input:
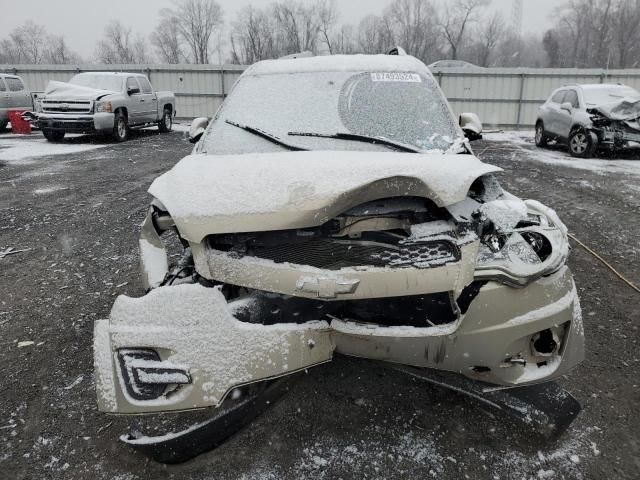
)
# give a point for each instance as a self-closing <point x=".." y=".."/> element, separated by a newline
<point x="502" y="97"/>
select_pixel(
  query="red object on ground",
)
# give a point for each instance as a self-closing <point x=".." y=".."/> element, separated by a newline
<point x="18" y="125"/>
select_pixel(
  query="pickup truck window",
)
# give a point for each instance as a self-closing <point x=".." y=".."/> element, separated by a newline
<point x="14" y="84"/>
<point x="132" y="83"/>
<point x="145" y="85"/>
<point x="2" y="87"/>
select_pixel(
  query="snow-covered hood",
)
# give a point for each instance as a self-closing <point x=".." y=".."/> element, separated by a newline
<point x="210" y="194"/>
<point x="63" y="90"/>
<point x="625" y="109"/>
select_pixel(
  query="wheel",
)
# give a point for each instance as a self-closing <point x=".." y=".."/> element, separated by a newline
<point x="120" y="127"/>
<point x="582" y="143"/>
<point x="166" y="122"/>
<point x="53" y="135"/>
<point x="3" y="125"/>
<point x="541" y="135"/>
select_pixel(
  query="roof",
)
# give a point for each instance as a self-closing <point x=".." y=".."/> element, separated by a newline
<point x="601" y="86"/>
<point x="342" y="63"/>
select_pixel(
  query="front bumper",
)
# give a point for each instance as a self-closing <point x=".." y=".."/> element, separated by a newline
<point x="97" y="122"/>
<point x="194" y="328"/>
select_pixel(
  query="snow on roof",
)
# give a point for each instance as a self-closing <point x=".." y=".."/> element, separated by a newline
<point x="343" y="63"/>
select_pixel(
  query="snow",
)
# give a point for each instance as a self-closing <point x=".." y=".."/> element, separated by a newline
<point x="341" y="63"/>
<point x="18" y="150"/>
<point x="505" y="213"/>
<point x="234" y="193"/>
<point x="549" y="310"/>
<point x="364" y="329"/>
<point x="154" y="262"/>
<point x="525" y="150"/>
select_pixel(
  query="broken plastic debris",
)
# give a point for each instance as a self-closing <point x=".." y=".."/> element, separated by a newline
<point x="26" y="343"/>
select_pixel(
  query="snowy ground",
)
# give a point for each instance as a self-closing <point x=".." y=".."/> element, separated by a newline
<point x="76" y="217"/>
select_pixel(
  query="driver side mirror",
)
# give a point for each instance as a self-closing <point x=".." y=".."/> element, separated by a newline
<point x="133" y="90"/>
<point x="471" y="126"/>
<point x="566" y="106"/>
<point x="198" y="126"/>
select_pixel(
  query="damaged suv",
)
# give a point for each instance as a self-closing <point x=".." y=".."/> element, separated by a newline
<point x="334" y="206"/>
<point x="589" y="118"/>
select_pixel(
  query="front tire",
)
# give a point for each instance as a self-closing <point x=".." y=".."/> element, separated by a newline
<point x="541" y="136"/>
<point x="120" y="128"/>
<point x="582" y="143"/>
<point x="54" y="136"/>
<point x="3" y="125"/>
<point x="166" y="122"/>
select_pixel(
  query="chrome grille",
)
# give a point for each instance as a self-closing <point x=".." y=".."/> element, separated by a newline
<point x="334" y="254"/>
<point x="66" y="106"/>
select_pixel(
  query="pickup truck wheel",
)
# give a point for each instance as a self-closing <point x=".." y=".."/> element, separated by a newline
<point x="582" y="143"/>
<point x="3" y="125"/>
<point x="53" y="135"/>
<point x="166" y="122"/>
<point x="120" y="128"/>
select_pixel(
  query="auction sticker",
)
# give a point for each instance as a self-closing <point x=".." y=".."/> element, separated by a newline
<point x="396" y="77"/>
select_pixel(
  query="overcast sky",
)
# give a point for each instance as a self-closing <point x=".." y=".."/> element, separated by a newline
<point x="82" y="21"/>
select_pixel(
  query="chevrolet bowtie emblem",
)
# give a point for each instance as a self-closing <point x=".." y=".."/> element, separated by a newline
<point x="325" y="287"/>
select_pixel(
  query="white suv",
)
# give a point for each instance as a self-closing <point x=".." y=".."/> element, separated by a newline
<point x="590" y="117"/>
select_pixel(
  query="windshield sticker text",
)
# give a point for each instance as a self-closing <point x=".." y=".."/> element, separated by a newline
<point x="396" y="77"/>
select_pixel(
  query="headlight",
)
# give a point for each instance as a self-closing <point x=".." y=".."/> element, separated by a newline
<point x="103" y="107"/>
<point x="538" y="248"/>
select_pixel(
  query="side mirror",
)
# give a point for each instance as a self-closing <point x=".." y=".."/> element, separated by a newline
<point x="566" y="106"/>
<point x="198" y="126"/>
<point x="133" y="91"/>
<point x="471" y="126"/>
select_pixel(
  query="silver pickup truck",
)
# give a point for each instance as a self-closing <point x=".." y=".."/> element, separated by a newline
<point x="103" y="102"/>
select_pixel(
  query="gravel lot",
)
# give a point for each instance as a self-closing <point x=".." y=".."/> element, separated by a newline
<point x="77" y="214"/>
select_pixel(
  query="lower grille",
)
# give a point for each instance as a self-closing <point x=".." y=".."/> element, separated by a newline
<point x="421" y="311"/>
<point x="333" y="254"/>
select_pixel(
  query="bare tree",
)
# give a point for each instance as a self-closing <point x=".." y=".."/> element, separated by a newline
<point x="552" y="48"/>
<point x="253" y="36"/>
<point x="197" y="21"/>
<point x="374" y="35"/>
<point x="29" y="42"/>
<point x="327" y="21"/>
<point x="167" y="40"/>
<point x="455" y="21"/>
<point x="488" y="38"/>
<point x="412" y="24"/>
<point x="344" y="41"/>
<point x="298" y="26"/>
<point x="58" y="51"/>
<point x="120" y="45"/>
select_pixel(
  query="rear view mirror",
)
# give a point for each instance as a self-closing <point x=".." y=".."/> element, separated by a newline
<point x="133" y="90"/>
<point x="198" y="126"/>
<point x="566" y="106"/>
<point x="471" y="126"/>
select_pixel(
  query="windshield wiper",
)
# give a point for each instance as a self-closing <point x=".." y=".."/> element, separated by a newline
<point x="403" y="147"/>
<point x="267" y="136"/>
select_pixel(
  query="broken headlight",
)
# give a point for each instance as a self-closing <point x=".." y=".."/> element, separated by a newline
<point x="538" y="246"/>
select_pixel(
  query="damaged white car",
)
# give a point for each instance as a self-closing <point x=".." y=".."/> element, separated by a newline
<point x="590" y="118"/>
<point x="334" y="206"/>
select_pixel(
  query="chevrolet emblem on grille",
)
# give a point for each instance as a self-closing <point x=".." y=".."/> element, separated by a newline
<point x="64" y="107"/>
<point x="325" y="287"/>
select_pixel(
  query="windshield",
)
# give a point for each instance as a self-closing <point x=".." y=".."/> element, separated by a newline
<point x="99" y="82"/>
<point x="600" y="96"/>
<point x="403" y="108"/>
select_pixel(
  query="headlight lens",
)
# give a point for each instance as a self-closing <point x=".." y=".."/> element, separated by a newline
<point x="103" y="107"/>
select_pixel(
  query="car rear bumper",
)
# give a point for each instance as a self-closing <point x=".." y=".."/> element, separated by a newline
<point x="98" y="122"/>
<point x="195" y="331"/>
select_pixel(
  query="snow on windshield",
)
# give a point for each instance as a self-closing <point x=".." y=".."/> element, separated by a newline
<point x="402" y="107"/>
<point x="601" y="96"/>
<point x="99" y="82"/>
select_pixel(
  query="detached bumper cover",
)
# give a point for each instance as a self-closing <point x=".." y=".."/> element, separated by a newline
<point x="194" y="327"/>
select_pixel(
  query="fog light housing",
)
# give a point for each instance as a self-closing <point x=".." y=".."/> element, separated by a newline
<point x="145" y="376"/>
